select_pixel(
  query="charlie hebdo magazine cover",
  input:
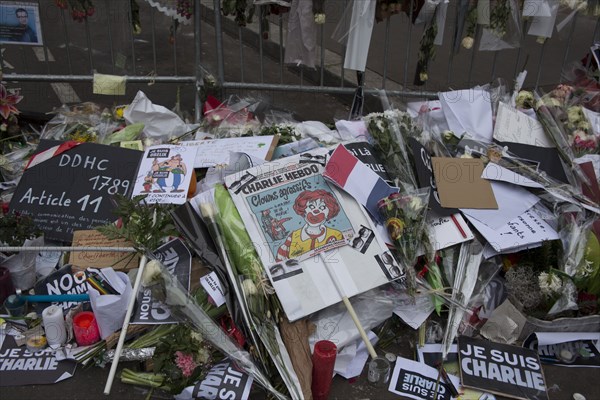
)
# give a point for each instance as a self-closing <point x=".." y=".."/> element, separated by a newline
<point x="302" y="225"/>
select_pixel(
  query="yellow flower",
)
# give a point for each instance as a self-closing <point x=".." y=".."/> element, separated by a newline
<point x="320" y="19"/>
<point x="423" y="76"/>
<point x="524" y="99"/>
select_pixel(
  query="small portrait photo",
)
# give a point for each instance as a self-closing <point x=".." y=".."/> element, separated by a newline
<point x="20" y="23"/>
<point x="285" y="269"/>
<point x="390" y="266"/>
<point x="362" y="240"/>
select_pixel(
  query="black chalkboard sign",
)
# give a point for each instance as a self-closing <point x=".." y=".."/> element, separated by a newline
<point x="73" y="190"/>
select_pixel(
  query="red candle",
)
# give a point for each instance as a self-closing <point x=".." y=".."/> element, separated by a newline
<point x="323" y="361"/>
<point x="85" y="328"/>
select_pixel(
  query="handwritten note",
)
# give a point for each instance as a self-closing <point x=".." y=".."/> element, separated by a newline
<point x="517" y="127"/>
<point x="100" y="259"/>
<point x="527" y="228"/>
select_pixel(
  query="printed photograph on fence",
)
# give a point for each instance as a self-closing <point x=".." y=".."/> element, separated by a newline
<point x="165" y="174"/>
<point x="299" y="219"/>
<point x="305" y="230"/>
<point x="20" y="23"/>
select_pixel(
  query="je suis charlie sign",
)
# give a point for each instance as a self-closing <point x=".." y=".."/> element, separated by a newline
<point x="19" y="366"/>
<point x="69" y="186"/>
<point x="499" y="368"/>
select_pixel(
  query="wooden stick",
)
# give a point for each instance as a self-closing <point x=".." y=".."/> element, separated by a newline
<point x="119" y="349"/>
<point x="351" y="311"/>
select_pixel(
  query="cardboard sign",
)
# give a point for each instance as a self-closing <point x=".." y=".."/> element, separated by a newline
<point x="63" y="281"/>
<point x="223" y="381"/>
<point x="502" y="369"/>
<point x="100" y="259"/>
<point x="72" y="190"/>
<point x="419" y="381"/>
<point x="18" y="366"/>
<point x="424" y="169"/>
<point x="460" y="185"/>
<point x="176" y="257"/>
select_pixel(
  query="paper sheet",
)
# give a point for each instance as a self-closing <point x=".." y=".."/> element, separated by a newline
<point x="443" y="231"/>
<point x="359" y="37"/>
<point x="211" y="284"/>
<point x="214" y="152"/>
<point x="351" y="360"/>
<point x="527" y="228"/>
<point x="111" y="85"/>
<point x="470" y="111"/>
<point x="414" y="311"/>
<point x="508" y="208"/>
<point x="495" y="172"/>
<point x="159" y="122"/>
<point x="536" y="8"/>
<point x="543" y="26"/>
<point x="514" y="126"/>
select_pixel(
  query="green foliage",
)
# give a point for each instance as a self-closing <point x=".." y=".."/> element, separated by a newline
<point x="15" y="229"/>
<point x="138" y="225"/>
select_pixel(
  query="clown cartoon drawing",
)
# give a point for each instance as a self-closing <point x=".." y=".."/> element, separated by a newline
<point x="316" y="207"/>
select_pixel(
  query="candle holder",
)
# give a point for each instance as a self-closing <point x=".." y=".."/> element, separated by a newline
<point x="85" y="328"/>
<point x="323" y="362"/>
<point x="379" y="372"/>
<point x="15" y="305"/>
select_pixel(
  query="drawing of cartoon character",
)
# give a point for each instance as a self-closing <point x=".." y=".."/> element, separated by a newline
<point x="272" y="226"/>
<point x="178" y="169"/>
<point x="161" y="171"/>
<point x="316" y="207"/>
<point x="148" y="182"/>
<point x="173" y="166"/>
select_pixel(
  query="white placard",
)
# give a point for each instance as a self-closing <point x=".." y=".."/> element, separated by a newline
<point x="212" y="285"/>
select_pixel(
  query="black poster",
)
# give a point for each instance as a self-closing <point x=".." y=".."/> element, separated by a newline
<point x="72" y="190"/>
<point x="177" y="259"/>
<point x="417" y="386"/>
<point x="18" y="366"/>
<point x="507" y="370"/>
<point x="425" y="177"/>
<point x="223" y="381"/>
<point x="577" y="353"/>
<point x="63" y="281"/>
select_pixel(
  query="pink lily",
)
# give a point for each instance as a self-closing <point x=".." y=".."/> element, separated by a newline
<point x="8" y="100"/>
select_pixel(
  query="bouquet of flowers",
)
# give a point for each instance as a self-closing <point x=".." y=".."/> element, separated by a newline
<point x="390" y="131"/>
<point x="561" y="112"/>
<point x="181" y="358"/>
<point x="404" y="216"/>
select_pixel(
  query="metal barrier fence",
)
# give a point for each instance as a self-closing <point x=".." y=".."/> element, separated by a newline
<point x="106" y="43"/>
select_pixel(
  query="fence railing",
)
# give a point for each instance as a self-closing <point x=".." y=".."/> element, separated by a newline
<point x="107" y="43"/>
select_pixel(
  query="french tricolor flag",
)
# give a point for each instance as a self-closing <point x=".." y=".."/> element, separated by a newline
<point x="357" y="179"/>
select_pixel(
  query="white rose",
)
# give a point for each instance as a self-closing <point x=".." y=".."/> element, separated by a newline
<point x="467" y="42"/>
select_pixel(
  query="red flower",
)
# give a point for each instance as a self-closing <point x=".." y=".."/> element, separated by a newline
<point x="8" y="99"/>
